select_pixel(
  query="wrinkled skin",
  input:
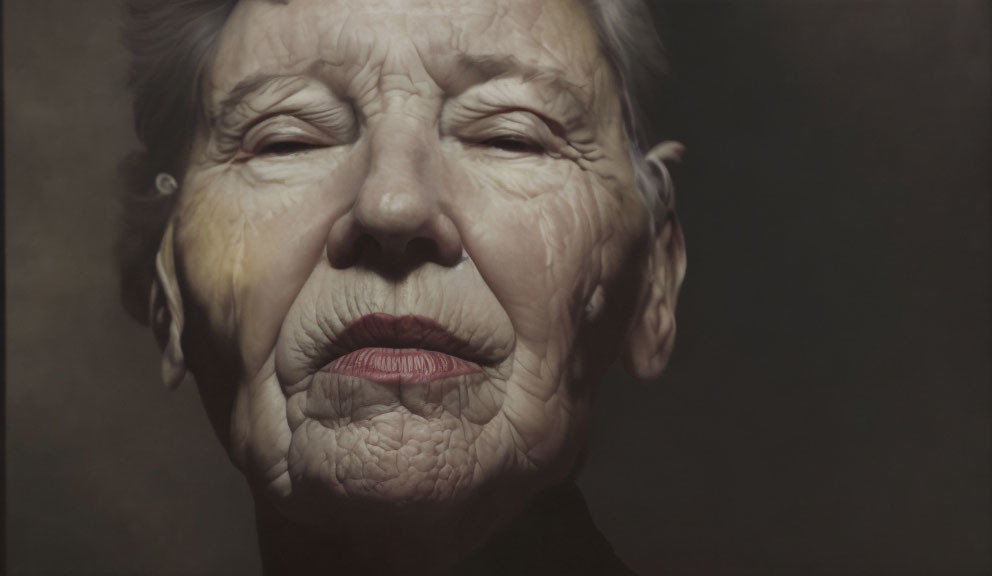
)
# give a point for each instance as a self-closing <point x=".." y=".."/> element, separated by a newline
<point x="464" y="161"/>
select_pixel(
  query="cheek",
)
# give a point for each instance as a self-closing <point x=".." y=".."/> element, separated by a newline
<point x="249" y="237"/>
<point x="538" y="241"/>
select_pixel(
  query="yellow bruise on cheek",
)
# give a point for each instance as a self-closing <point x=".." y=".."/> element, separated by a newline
<point x="228" y="215"/>
<point x="209" y="238"/>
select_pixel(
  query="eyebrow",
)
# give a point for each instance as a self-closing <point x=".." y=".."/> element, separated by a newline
<point x="472" y="70"/>
<point x="244" y="88"/>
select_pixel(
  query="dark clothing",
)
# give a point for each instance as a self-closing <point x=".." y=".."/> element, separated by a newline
<point x="555" y="535"/>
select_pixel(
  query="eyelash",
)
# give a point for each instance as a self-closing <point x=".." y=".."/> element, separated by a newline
<point x="298" y="137"/>
<point x="515" y="144"/>
<point x="519" y="132"/>
<point x="509" y="144"/>
<point x="283" y="136"/>
<point x="284" y="148"/>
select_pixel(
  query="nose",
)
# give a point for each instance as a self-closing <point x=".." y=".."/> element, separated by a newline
<point x="397" y="220"/>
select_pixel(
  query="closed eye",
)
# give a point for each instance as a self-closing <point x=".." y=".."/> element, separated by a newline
<point x="286" y="135"/>
<point x="285" y="148"/>
<point x="516" y="145"/>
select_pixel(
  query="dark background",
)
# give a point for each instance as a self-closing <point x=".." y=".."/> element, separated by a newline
<point x="827" y="410"/>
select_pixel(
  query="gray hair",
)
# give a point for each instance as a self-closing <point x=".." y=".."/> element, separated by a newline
<point x="170" y="43"/>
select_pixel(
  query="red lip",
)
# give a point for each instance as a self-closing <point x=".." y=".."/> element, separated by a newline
<point x="401" y="349"/>
<point x="401" y="365"/>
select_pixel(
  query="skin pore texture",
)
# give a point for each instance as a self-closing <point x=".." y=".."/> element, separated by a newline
<point x="455" y="165"/>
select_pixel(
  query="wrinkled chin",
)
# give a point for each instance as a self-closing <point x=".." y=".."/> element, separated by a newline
<point x="359" y="447"/>
<point x="394" y="456"/>
<point x="348" y="455"/>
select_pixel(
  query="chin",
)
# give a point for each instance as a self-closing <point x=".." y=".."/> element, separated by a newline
<point x="438" y="501"/>
<point x="399" y="468"/>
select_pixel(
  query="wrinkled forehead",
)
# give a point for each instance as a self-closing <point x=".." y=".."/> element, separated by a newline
<point x="422" y="39"/>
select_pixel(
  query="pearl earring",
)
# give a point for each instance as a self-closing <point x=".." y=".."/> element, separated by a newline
<point x="166" y="184"/>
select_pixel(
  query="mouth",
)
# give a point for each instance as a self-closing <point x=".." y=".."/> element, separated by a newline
<point x="402" y="349"/>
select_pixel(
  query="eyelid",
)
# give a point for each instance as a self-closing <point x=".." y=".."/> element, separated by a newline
<point x="516" y="123"/>
<point x="283" y="128"/>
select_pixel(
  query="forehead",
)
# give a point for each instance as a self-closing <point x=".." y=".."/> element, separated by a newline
<point x="416" y="37"/>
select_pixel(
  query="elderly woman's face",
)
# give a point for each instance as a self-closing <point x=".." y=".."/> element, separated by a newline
<point x="405" y="245"/>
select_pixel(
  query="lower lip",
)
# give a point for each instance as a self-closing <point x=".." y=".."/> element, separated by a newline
<point x="401" y="365"/>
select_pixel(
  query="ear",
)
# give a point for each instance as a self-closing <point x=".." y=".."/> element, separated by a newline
<point x="652" y="337"/>
<point x="167" y="312"/>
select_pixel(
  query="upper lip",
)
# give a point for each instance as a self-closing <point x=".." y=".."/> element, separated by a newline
<point x="408" y="331"/>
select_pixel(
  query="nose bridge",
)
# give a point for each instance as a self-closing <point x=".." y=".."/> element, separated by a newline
<point x="399" y="193"/>
<point x="397" y="220"/>
<point x="398" y="205"/>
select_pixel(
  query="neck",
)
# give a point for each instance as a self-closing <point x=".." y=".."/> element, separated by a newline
<point x="554" y="535"/>
<point x="554" y="532"/>
<point x="412" y="541"/>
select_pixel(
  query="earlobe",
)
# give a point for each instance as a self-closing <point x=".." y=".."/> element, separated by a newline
<point x="652" y="337"/>
<point x="167" y="312"/>
<point x="658" y="160"/>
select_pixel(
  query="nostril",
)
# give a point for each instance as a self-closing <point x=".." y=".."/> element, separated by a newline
<point x="345" y="255"/>
<point x="421" y="249"/>
<point x="354" y="241"/>
<point x="370" y="250"/>
<point x="367" y="245"/>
